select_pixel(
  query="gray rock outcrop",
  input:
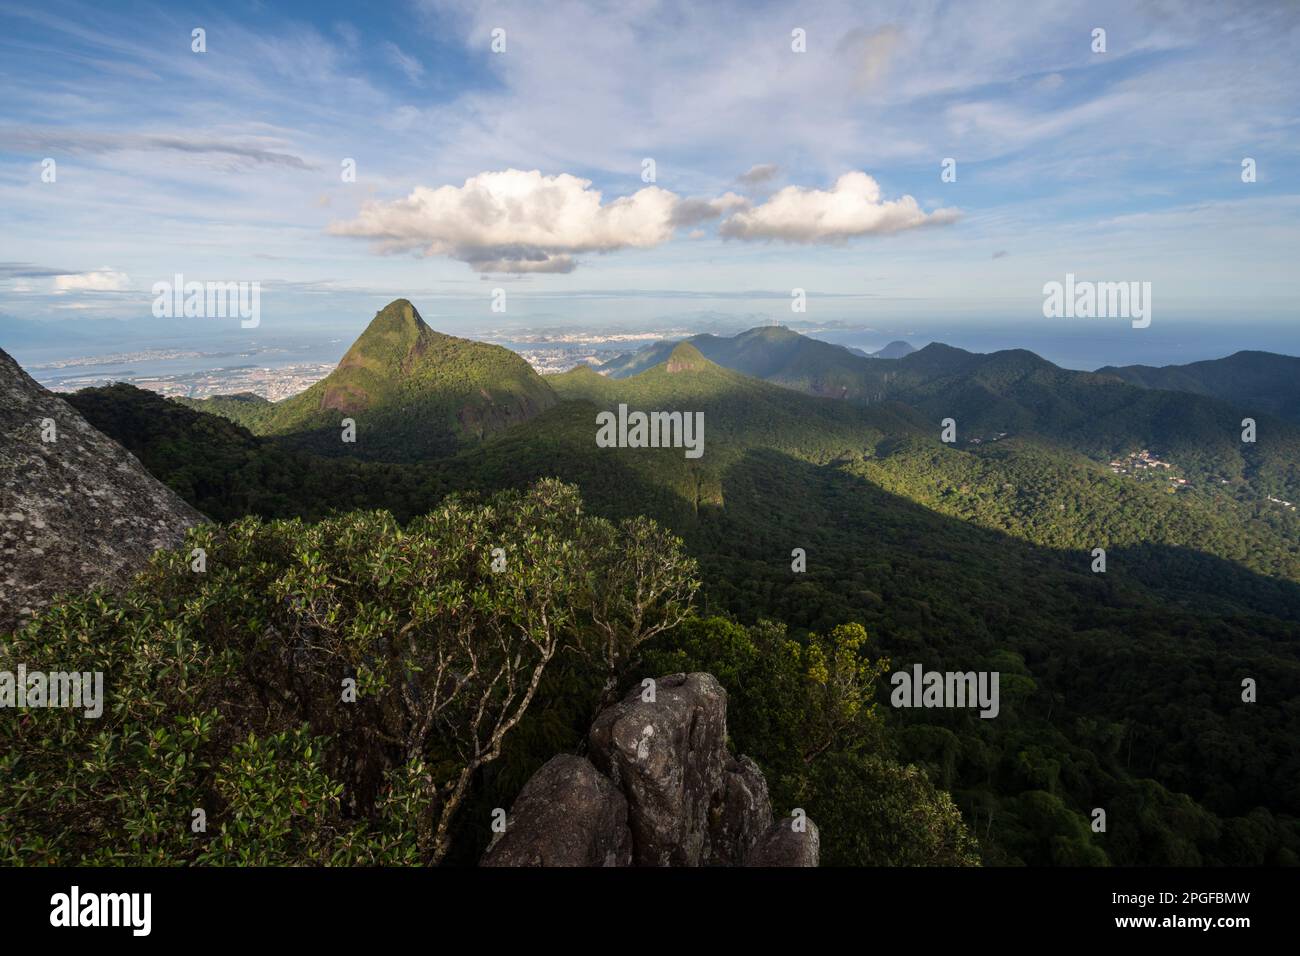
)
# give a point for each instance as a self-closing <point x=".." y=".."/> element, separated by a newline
<point x="787" y="842"/>
<point x="568" y="814"/>
<point x="668" y="757"/>
<point x="660" y="789"/>
<point x="744" y="815"/>
<point x="75" y="511"/>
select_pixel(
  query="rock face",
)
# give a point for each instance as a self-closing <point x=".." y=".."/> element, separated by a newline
<point x="744" y="815"/>
<point x="788" y="842"/>
<point x="660" y="789"/>
<point x="668" y="757"/>
<point x="568" y="814"/>
<point x="75" y="511"/>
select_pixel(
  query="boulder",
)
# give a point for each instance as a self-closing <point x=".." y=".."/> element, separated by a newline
<point x="742" y="814"/>
<point x="568" y="814"/>
<point x="668" y="757"/>
<point x="660" y="789"/>
<point x="783" y="845"/>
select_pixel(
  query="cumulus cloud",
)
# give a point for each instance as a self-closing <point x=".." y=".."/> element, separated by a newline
<point x="759" y="174"/>
<point x="516" y="221"/>
<point x="692" y="212"/>
<point x="97" y="280"/>
<point x="852" y="207"/>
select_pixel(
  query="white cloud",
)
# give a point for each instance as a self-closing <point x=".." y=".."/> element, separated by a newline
<point x="852" y="207"/>
<point x="97" y="280"/>
<point x="409" y="65"/>
<point x="516" y="221"/>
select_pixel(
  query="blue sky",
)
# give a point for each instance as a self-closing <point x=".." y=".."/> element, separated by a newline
<point x="226" y="165"/>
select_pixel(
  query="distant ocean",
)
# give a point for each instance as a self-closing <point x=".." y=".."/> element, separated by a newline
<point x="1091" y="343"/>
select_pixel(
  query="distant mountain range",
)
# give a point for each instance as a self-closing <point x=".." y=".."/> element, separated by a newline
<point x="1264" y="382"/>
<point x="1120" y="688"/>
<point x="415" y="394"/>
<point x="774" y="353"/>
<point x="1255" y="381"/>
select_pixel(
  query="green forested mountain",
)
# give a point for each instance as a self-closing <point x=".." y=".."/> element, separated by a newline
<point x="1121" y="689"/>
<point x="894" y="350"/>
<point x="1256" y="382"/>
<point x="1109" y="413"/>
<point x="1018" y="392"/>
<point x="411" y="391"/>
<point x="770" y="352"/>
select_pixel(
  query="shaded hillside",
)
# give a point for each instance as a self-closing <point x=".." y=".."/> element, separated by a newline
<point x="1257" y="382"/>
<point x="243" y="408"/>
<point x="228" y="472"/>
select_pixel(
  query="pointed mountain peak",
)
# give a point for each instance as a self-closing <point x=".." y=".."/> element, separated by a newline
<point x="423" y="393"/>
<point x="685" y="357"/>
<point x="398" y="317"/>
<point x="395" y="337"/>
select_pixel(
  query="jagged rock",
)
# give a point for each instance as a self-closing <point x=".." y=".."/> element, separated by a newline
<point x="742" y="814"/>
<point x="683" y="800"/>
<point x="568" y="814"/>
<point x="668" y="758"/>
<point x="74" y="512"/>
<point x="782" y="845"/>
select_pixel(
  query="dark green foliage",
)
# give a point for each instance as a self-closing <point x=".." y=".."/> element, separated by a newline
<point x="244" y="408"/>
<point x="1120" y="690"/>
<point x="227" y="473"/>
<point x="228" y="690"/>
<point x="783" y="695"/>
<point x="1256" y="382"/>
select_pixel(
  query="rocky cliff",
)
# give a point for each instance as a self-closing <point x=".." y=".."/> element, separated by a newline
<point x="660" y="789"/>
<point x="76" y="508"/>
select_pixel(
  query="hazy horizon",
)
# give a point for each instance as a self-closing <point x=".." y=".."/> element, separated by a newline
<point x="914" y="173"/>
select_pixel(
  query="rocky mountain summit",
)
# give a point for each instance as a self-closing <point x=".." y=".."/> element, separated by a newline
<point x="660" y="789"/>
<point x="76" y="508"/>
